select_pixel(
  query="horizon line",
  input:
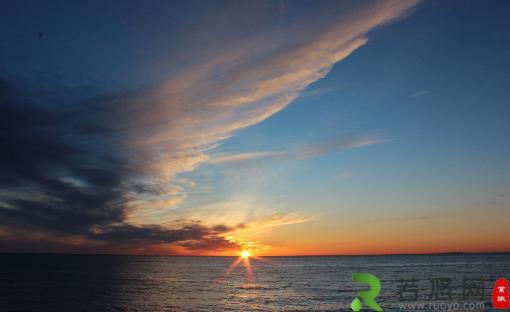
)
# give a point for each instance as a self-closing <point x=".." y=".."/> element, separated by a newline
<point x="269" y="256"/>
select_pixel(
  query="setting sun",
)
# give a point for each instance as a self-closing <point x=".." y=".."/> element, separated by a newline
<point x="245" y="258"/>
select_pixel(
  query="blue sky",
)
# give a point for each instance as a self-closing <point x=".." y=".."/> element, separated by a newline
<point x="274" y="120"/>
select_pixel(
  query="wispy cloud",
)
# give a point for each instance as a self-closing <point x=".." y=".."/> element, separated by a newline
<point x="337" y="144"/>
<point x="418" y="94"/>
<point x="241" y="157"/>
<point x="303" y="151"/>
<point x="279" y="219"/>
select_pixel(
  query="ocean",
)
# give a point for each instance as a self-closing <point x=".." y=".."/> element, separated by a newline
<point x="30" y="282"/>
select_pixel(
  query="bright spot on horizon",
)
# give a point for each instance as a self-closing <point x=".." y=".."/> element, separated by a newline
<point x="244" y="258"/>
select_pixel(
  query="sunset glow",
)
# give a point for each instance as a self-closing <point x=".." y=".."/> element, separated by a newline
<point x="270" y="155"/>
<point x="254" y="129"/>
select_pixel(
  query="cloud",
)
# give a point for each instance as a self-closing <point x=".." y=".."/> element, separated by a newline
<point x="89" y="163"/>
<point x="418" y="94"/>
<point x="229" y="158"/>
<point x="57" y="185"/>
<point x="304" y="151"/>
<point x="215" y="243"/>
<point x="278" y="219"/>
<point x="126" y="241"/>
<point x="254" y="231"/>
<point x="247" y="82"/>
<point x="337" y="144"/>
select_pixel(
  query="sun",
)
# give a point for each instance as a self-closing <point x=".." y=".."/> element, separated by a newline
<point x="245" y="257"/>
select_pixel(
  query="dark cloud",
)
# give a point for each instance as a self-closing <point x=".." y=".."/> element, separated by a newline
<point x="214" y="243"/>
<point x="122" y="239"/>
<point x="157" y="234"/>
<point x="62" y="173"/>
<point x="76" y="178"/>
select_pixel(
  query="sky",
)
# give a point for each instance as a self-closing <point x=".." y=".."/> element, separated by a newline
<point x="279" y="127"/>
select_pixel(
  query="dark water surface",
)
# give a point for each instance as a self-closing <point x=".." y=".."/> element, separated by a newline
<point x="144" y="283"/>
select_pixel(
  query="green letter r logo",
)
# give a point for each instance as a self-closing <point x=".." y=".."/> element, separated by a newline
<point x="368" y="296"/>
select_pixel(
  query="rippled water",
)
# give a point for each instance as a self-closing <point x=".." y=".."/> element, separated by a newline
<point x="139" y="283"/>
